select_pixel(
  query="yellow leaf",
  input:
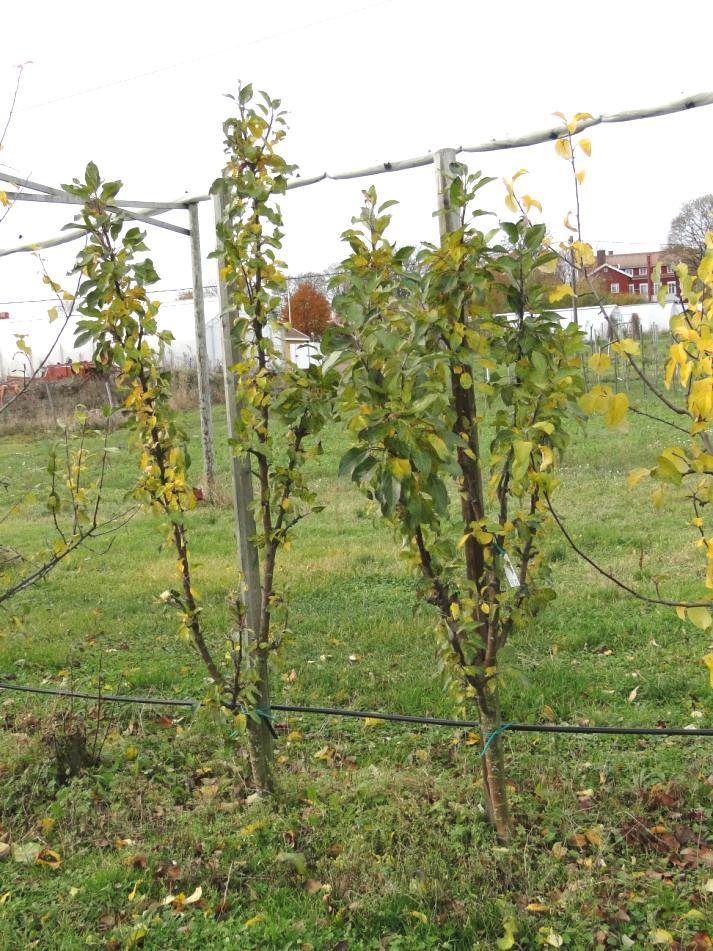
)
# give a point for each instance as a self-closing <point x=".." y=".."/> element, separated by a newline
<point x="616" y="414"/>
<point x="580" y="176"/>
<point x="372" y="721"/>
<point x="700" y="617"/>
<point x="131" y="752"/>
<point x="255" y="920"/>
<point x="636" y="475"/>
<point x="681" y="612"/>
<point x="661" y="936"/>
<point x="400" y="468"/>
<point x="708" y="661"/>
<point x="530" y="202"/>
<point x="419" y="915"/>
<point x="627" y="346"/>
<point x="537" y="907"/>
<point x="599" y="362"/>
<point x="560" y="292"/>
<point x="3" y="199"/>
<point x="132" y="894"/>
<point x="586" y="146"/>
<point x="510" y="203"/>
<point x="5" y="897"/>
<point x="52" y="314"/>
<point x="563" y="149"/>
<point x="547" y="458"/>
<point x="518" y="173"/>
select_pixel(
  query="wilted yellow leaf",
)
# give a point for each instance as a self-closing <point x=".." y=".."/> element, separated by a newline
<point x="420" y="916"/>
<point x="372" y="721"/>
<point x="580" y="176"/>
<point x="255" y="920"/>
<point x="586" y="146"/>
<point x="708" y="661"/>
<point x="537" y="907"/>
<point x="661" y="936"/>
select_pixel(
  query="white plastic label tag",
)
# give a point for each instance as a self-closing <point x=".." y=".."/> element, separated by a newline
<point x="510" y="573"/>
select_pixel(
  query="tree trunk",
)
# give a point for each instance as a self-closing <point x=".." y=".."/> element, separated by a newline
<point x="260" y="739"/>
<point x="492" y="757"/>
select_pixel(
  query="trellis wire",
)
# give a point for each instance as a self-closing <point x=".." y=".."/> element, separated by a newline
<point x="377" y="715"/>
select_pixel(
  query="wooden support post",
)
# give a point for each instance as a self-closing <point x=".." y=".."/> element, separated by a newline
<point x="259" y="733"/>
<point x="202" y="369"/>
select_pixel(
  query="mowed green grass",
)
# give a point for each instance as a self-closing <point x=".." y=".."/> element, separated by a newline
<point x="377" y="838"/>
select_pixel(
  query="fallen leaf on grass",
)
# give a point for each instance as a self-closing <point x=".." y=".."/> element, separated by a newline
<point x="419" y="915"/>
<point x="5" y="850"/>
<point x="661" y="936"/>
<point x="537" y="907"/>
<point x="134" y="891"/>
<point x="255" y="920"/>
<point x="5" y="897"/>
<point x="708" y="887"/>
<point x="194" y="896"/>
<point x="551" y="938"/>
<point x="593" y="837"/>
<point x="26" y="853"/>
<point x="313" y="886"/>
<point x="632" y="695"/>
<point x="50" y="858"/>
<point x="253" y="827"/>
<point x="372" y="721"/>
<point x="559" y="851"/>
<point x="508" y="939"/>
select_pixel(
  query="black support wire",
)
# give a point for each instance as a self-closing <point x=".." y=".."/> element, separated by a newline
<point x="373" y="715"/>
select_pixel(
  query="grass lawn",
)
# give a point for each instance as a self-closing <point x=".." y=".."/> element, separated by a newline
<point x="377" y="839"/>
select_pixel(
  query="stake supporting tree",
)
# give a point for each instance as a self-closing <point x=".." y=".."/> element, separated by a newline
<point x="259" y="734"/>
<point x="202" y="368"/>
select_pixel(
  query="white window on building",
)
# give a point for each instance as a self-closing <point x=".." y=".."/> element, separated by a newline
<point x="628" y="270"/>
<point x="657" y="287"/>
<point x="644" y="290"/>
<point x="643" y="270"/>
<point x="632" y="288"/>
<point x="615" y="288"/>
<point x="672" y="287"/>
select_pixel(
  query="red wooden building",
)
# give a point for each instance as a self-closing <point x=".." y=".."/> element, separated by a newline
<point x="633" y="273"/>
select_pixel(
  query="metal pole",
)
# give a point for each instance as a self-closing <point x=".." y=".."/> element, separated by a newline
<point x="204" y="402"/>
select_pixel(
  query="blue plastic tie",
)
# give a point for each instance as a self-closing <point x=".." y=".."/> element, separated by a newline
<point x="491" y="736"/>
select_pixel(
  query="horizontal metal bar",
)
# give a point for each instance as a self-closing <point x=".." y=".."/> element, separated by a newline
<point x="64" y="199"/>
<point x="558" y="132"/>
<point x="147" y="217"/>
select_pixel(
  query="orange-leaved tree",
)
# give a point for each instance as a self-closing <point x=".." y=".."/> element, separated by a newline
<point x="307" y="310"/>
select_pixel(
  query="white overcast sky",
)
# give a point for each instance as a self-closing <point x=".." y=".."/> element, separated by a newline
<point x="138" y="88"/>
